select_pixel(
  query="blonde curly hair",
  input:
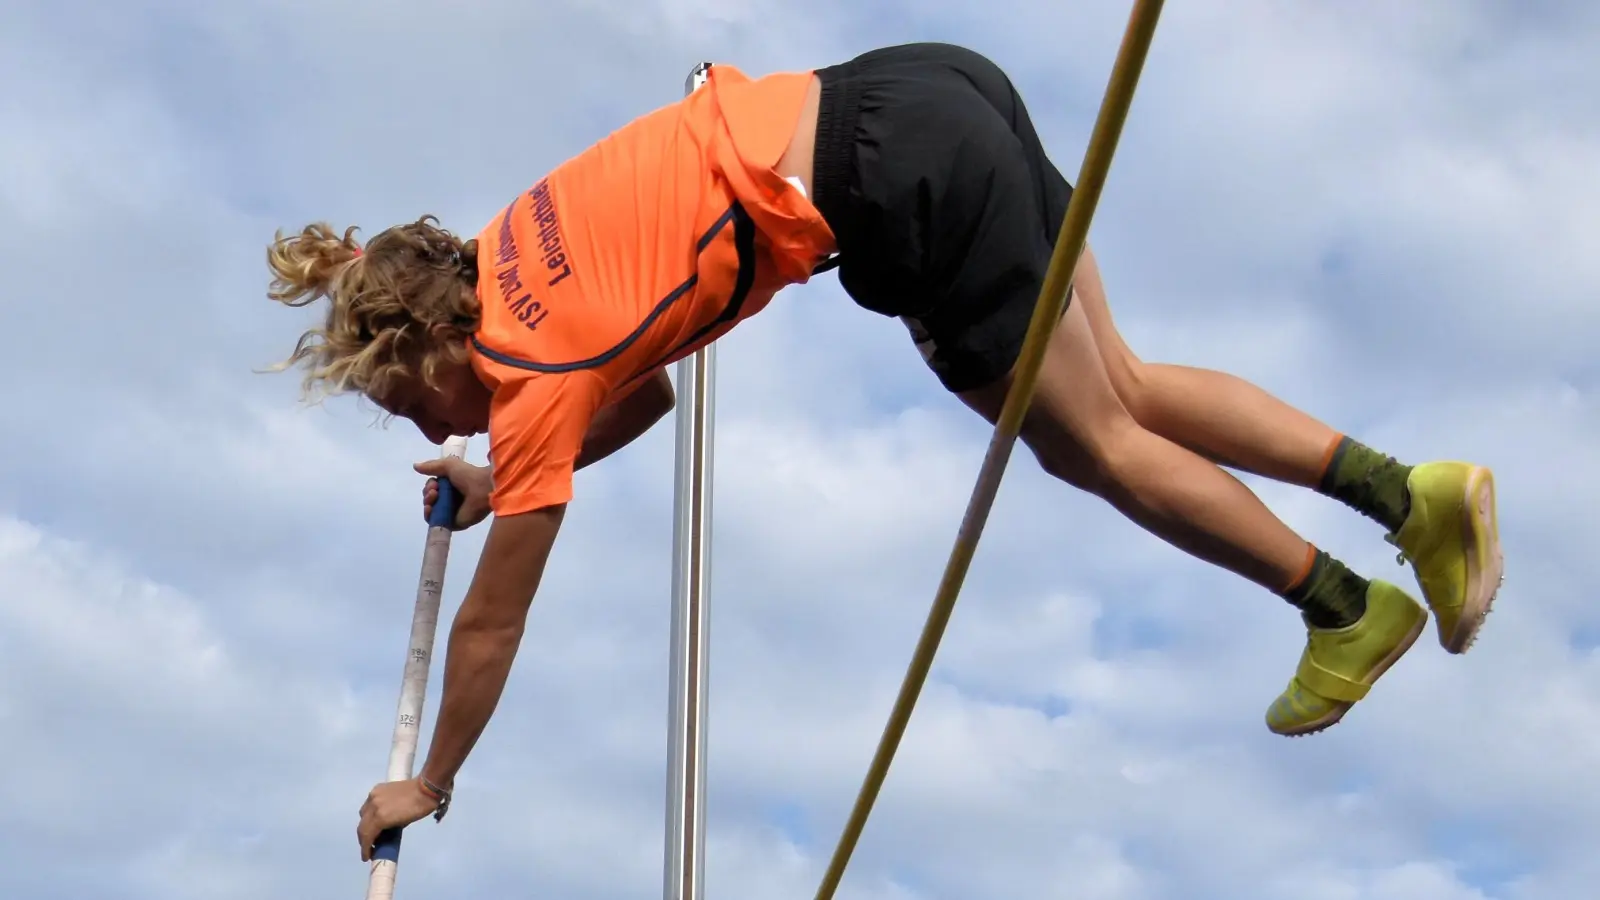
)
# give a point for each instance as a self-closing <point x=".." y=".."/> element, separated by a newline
<point x="388" y="301"/>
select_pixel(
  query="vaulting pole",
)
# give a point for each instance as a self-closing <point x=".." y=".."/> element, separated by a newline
<point x="414" y="678"/>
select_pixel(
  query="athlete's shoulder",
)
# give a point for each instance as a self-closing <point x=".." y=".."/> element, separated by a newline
<point x="525" y="268"/>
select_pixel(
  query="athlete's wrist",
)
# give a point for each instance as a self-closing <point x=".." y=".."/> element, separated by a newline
<point x="438" y="794"/>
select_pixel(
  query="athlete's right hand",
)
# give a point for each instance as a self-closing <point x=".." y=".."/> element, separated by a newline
<point x="472" y="482"/>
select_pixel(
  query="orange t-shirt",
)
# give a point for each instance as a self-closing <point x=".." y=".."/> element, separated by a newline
<point x="637" y="252"/>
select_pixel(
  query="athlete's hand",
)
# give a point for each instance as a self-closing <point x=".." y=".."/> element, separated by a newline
<point x="472" y="482"/>
<point x="393" y="804"/>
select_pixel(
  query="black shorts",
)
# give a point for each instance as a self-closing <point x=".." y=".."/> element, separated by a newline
<point x="942" y="201"/>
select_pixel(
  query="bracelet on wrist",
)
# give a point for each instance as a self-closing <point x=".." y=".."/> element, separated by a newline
<point x="438" y="795"/>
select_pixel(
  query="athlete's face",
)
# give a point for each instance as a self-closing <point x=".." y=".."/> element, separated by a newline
<point x="457" y="403"/>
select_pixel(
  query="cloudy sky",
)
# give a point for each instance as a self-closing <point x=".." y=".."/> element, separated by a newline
<point x="1387" y="215"/>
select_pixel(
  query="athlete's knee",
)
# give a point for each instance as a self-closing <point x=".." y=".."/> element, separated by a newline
<point x="1092" y="459"/>
<point x="1071" y="466"/>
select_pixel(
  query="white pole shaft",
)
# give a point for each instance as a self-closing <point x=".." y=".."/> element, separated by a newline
<point x="414" y="680"/>
<point x="691" y="576"/>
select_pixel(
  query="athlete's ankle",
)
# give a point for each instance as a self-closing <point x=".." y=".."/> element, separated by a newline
<point x="1328" y="594"/>
<point x="1368" y="482"/>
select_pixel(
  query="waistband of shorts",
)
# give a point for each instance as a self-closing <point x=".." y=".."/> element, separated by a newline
<point x="833" y="159"/>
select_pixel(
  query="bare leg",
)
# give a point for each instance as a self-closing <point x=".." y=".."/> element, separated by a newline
<point x="1217" y="415"/>
<point x="1082" y="433"/>
<point x="1079" y="429"/>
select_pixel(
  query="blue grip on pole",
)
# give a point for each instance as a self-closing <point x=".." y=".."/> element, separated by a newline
<point x="387" y="846"/>
<point x="446" y="507"/>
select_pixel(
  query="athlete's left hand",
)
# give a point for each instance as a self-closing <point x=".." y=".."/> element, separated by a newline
<point x="393" y="804"/>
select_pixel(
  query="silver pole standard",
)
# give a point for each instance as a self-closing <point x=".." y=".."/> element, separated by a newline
<point x="691" y="576"/>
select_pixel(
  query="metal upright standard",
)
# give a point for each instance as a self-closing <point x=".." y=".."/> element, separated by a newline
<point x="414" y="680"/>
<point x="691" y="575"/>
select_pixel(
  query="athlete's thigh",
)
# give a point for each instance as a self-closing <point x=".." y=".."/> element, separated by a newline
<point x="1075" y="412"/>
<point x="1090" y="291"/>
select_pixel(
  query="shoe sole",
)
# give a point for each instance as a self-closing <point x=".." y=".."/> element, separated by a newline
<point x="1480" y="538"/>
<point x="1337" y="713"/>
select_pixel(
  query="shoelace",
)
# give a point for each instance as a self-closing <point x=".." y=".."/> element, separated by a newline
<point x="1402" y="557"/>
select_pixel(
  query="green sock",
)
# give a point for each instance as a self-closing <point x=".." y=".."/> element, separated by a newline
<point x="1368" y="482"/>
<point x="1331" y="596"/>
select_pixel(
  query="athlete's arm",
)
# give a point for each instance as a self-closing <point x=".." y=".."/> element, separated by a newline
<point x="487" y="630"/>
<point x="612" y="428"/>
<point x="618" y="425"/>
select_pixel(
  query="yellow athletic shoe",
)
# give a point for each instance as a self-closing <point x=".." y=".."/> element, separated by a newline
<point x="1340" y="665"/>
<point x="1452" y="540"/>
